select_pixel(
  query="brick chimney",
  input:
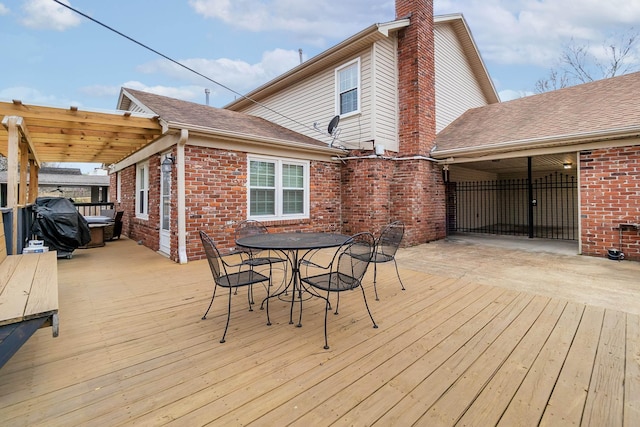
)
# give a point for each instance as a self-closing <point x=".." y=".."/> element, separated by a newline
<point x="416" y="86"/>
<point x="417" y="190"/>
<point x="410" y="188"/>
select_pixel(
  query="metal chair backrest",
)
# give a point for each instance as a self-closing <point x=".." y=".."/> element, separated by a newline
<point x="355" y="255"/>
<point x="390" y="239"/>
<point x="248" y="228"/>
<point x="213" y="255"/>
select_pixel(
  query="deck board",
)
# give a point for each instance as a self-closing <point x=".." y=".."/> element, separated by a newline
<point x="448" y="352"/>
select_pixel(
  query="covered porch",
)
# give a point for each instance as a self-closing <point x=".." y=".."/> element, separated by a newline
<point x="451" y="349"/>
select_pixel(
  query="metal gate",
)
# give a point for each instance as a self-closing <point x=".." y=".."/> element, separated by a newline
<point x="547" y="208"/>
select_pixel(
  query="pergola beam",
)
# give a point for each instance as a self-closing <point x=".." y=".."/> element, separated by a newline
<point x="72" y="135"/>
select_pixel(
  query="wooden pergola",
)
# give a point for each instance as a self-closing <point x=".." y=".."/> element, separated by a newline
<point x="32" y="134"/>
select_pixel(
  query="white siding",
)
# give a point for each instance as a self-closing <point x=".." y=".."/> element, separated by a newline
<point x="385" y="89"/>
<point x="457" y="89"/>
<point x="313" y="100"/>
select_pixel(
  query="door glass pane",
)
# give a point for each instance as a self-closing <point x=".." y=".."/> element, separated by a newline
<point x="165" y="200"/>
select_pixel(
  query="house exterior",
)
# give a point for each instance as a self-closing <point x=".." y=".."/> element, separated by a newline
<point x="392" y="85"/>
<point x="589" y="133"/>
<point x="225" y="167"/>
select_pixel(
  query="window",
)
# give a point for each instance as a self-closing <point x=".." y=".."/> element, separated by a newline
<point x="142" y="190"/>
<point x="278" y="188"/>
<point x="348" y="88"/>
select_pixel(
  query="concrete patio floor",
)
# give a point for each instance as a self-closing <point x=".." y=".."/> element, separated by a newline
<point x="541" y="266"/>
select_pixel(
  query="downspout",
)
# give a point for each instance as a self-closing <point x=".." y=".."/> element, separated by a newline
<point x="182" y="210"/>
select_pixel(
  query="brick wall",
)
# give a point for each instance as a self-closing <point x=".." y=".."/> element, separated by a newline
<point x="610" y="195"/>
<point x="366" y="193"/>
<point x="418" y="199"/>
<point x="146" y="231"/>
<point x="216" y="198"/>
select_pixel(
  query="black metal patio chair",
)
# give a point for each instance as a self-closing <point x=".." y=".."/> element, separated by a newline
<point x="387" y="245"/>
<point x="257" y="257"/>
<point x="344" y="273"/>
<point x="221" y="277"/>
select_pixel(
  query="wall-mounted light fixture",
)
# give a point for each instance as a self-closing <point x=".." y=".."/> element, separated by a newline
<point x="566" y="165"/>
<point x="445" y="173"/>
<point x="167" y="163"/>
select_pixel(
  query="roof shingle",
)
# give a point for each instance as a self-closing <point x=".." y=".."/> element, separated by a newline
<point x="178" y="111"/>
<point x="600" y="106"/>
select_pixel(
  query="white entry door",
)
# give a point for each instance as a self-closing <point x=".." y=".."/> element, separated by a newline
<point x="165" y="212"/>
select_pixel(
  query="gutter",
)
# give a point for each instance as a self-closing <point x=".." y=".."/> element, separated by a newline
<point x="397" y="159"/>
<point x="259" y="140"/>
<point x="182" y="210"/>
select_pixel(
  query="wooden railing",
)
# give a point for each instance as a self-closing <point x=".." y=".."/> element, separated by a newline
<point x="91" y="209"/>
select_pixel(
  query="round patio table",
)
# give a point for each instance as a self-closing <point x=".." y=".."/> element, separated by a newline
<point x="291" y="243"/>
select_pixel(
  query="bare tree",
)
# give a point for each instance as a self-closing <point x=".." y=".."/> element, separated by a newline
<point x="578" y="63"/>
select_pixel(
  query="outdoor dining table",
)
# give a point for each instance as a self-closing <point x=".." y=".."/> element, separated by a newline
<point x="292" y="245"/>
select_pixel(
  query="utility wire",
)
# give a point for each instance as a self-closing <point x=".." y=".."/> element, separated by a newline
<point x="179" y="63"/>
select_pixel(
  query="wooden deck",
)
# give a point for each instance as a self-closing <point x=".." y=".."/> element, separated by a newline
<point x="132" y="350"/>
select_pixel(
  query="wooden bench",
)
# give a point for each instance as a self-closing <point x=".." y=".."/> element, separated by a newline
<point x="28" y="296"/>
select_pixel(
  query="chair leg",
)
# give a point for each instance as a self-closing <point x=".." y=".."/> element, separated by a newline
<point x="211" y="303"/>
<point x="398" y="274"/>
<point x="228" y="317"/>
<point x="364" y="296"/>
<point x="375" y="274"/>
<point x="267" y="298"/>
<point x="249" y="297"/>
<point x="326" y="310"/>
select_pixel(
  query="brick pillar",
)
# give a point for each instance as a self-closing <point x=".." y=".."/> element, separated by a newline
<point x="366" y="193"/>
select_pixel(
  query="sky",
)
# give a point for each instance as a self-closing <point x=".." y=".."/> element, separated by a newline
<point x="54" y="57"/>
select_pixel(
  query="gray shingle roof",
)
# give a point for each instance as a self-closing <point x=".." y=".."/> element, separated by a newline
<point x="178" y="111"/>
<point x="598" y="107"/>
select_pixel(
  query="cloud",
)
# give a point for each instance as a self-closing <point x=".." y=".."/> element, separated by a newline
<point x="4" y="10"/>
<point x="29" y="95"/>
<point x="313" y="22"/>
<point x="236" y="74"/>
<point x="534" y="31"/>
<point x="48" y="15"/>
<point x="509" y="94"/>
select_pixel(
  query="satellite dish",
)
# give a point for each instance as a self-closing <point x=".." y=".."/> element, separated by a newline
<point x="332" y="129"/>
<point x="333" y="124"/>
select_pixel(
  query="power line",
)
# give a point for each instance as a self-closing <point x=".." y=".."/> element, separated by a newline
<point x="178" y="63"/>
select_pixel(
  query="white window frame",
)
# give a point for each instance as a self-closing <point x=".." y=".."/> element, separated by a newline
<point x="356" y="63"/>
<point x="279" y="189"/>
<point x="142" y="187"/>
